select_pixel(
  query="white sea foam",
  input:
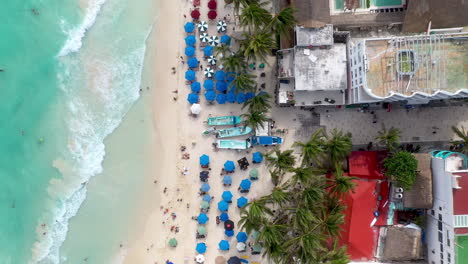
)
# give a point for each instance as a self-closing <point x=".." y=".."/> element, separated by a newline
<point x="76" y="35"/>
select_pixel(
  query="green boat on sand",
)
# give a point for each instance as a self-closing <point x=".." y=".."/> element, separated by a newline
<point x="233" y="144"/>
<point x="233" y="132"/>
<point x="224" y="120"/>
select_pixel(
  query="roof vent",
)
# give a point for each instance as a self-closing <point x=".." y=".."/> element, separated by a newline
<point x="398" y="196"/>
<point x="399" y="190"/>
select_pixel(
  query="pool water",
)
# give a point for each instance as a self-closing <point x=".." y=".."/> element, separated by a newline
<point x="339" y="4"/>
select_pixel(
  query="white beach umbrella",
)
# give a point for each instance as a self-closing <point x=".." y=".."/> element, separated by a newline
<point x="209" y="72"/>
<point x="202" y="26"/>
<point x="240" y="246"/>
<point x="196" y="109"/>
<point x="200" y="258"/>
<point x="212" y="60"/>
<point x="222" y="26"/>
<point x="213" y="41"/>
<point x="204" y="37"/>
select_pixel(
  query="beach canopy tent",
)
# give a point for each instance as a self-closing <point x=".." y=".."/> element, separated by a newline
<point x="204" y="175"/>
<point x="195" y="86"/>
<point x="189" y="27"/>
<point x="220" y="260"/>
<point x="231" y="97"/>
<point x="241" y="98"/>
<point x="201" y="248"/>
<point x="208" y="72"/>
<point x="212" y="14"/>
<point x="190" y="75"/>
<point x="226" y="39"/>
<point x="229" y="166"/>
<point x="240" y="247"/>
<point x="212" y="4"/>
<point x="193" y="62"/>
<point x="220" y="75"/>
<point x="214" y="40"/>
<point x="208" y="50"/>
<point x="245" y="184"/>
<point x="224" y="217"/>
<point x="249" y="95"/>
<point x="189" y="51"/>
<point x="202" y="26"/>
<point x="229" y="233"/>
<point x="196" y="109"/>
<point x="227" y="196"/>
<point x="205" y="205"/>
<point x="206" y="197"/>
<point x="195" y="14"/>
<point x="224" y="245"/>
<point x="190" y="40"/>
<point x="210" y="95"/>
<point x="257" y="157"/>
<point x="227" y="179"/>
<point x="221" y="26"/>
<point x="229" y="225"/>
<point x="200" y="259"/>
<point x="221" y="86"/>
<point x="230" y="76"/>
<point x="204" y="160"/>
<point x="234" y="260"/>
<point x="204" y="37"/>
<point x="192" y="98"/>
<point x="208" y="84"/>
<point x="241" y="237"/>
<point x="201" y="230"/>
<point x="221" y="98"/>
<point x="202" y="218"/>
<point x="242" y="201"/>
<point x="205" y="187"/>
<point x="223" y="206"/>
<point x="253" y="173"/>
<point x="212" y="60"/>
<point x="173" y="242"/>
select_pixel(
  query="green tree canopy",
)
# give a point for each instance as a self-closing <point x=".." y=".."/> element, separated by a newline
<point x="401" y="167"/>
<point x="461" y="144"/>
<point x="389" y="138"/>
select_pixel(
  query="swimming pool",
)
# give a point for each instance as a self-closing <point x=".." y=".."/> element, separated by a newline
<point x="339" y="4"/>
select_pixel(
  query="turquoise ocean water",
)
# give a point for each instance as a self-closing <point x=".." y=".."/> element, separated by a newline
<point x="71" y="75"/>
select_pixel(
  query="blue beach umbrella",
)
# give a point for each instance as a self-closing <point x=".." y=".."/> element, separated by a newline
<point x="220" y="75"/>
<point x="257" y="157"/>
<point x="208" y="51"/>
<point x="190" y="75"/>
<point x="192" y="62"/>
<point x="206" y="198"/>
<point x="205" y="187"/>
<point x="190" y="40"/>
<point x="208" y="84"/>
<point x="221" y="98"/>
<point x="249" y="96"/>
<point x="201" y="248"/>
<point x="202" y="218"/>
<point x="242" y="201"/>
<point x="229" y="233"/>
<point x="230" y="76"/>
<point x="210" y="95"/>
<point x="227" y="179"/>
<point x="223" y="206"/>
<point x="225" y="39"/>
<point x="192" y="98"/>
<point x="196" y="87"/>
<point x="229" y="166"/>
<point x="241" y="237"/>
<point x="221" y="86"/>
<point x="227" y="196"/>
<point x="245" y="184"/>
<point x="224" y="245"/>
<point x="240" y="98"/>
<point x="231" y="97"/>
<point x="189" y="51"/>
<point x="224" y="217"/>
<point x="204" y="160"/>
<point x="189" y="27"/>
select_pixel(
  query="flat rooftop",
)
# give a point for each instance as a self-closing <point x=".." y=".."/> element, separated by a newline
<point x="318" y="69"/>
<point x="411" y="64"/>
<point x="314" y="36"/>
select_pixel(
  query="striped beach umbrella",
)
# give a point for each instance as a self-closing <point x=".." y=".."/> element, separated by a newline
<point x="221" y="26"/>
<point x="203" y="26"/>
<point x="212" y="60"/>
<point x="209" y="72"/>
<point x="214" y="40"/>
<point x="204" y="37"/>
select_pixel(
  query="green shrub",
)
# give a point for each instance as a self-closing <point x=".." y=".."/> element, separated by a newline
<point x="401" y="167"/>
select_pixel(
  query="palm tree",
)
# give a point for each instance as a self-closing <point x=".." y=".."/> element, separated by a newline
<point x="257" y="46"/>
<point x="461" y="144"/>
<point x="340" y="184"/>
<point x="259" y="103"/>
<point x="278" y="196"/>
<point x="282" y="161"/>
<point x="254" y="16"/>
<point x="244" y="82"/>
<point x="234" y="62"/>
<point x="389" y="138"/>
<point x="239" y="3"/>
<point x="312" y="150"/>
<point x="222" y="50"/>
<point x="255" y="119"/>
<point x="338" y="145"/>
<point x="283" y="22"/>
